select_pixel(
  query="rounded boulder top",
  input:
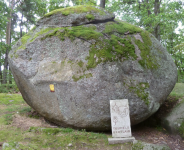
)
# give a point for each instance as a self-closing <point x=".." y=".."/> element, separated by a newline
<point x="77" y="15"/>
<point x="77" y="59"/>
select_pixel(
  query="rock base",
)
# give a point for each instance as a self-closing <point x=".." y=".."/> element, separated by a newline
<point x="120" y="140"/>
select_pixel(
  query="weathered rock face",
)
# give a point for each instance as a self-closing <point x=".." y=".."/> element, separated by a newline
<point x="100" y="60"/>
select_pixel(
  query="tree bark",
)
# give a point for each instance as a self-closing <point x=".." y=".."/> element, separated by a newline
<point x="10" y="76"/>
<point x="1" y="75"/>
<point x="21" y="25"/>
<point x="156" y="12"/>
<point x="8" y="42"/>
<point x="102" y="3"/>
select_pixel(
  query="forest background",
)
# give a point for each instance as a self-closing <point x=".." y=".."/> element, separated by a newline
<point x="163" y="18"/>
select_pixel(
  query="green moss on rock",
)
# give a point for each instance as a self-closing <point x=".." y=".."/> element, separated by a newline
<point x="24" y="40"/>
<point x="90" y="17"/>
<point x="148" y="60"/>
<point x="110" y="50"/>
<point x="76" y="9"/>
<point x="43" y="31"/>
<point x="81" y="63"/>
<point x="181" y="129"/>
<point x="121" y="28"/>
<point x="139" y="90"/>
<point x="75" y="78"/>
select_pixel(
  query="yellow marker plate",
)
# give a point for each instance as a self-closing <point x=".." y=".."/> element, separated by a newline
<point x="52" y="87"/>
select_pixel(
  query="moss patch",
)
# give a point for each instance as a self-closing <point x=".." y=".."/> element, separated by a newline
<point x="80" y="63"/>
<point x="139" y="90"/>
<point x="148" y="61"/>
<point x="181" y="129"/>
<point x="24" y="40"/>
<point x="76" y="10"/>
<point x="43" y="31"/>
<point x="90" y="17"/>
<point x="81" y="77"/>
<point x="110" y="50"/>
<point x="121" y="28"/>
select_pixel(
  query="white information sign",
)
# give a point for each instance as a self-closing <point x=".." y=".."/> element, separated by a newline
<point x="120" y="118"/>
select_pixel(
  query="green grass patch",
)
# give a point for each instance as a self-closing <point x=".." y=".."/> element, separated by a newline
<point x="7" y="99"/>
<point x="25" y="110"/>
<point x="40" y="137"/>
<point x="178" y="90"/>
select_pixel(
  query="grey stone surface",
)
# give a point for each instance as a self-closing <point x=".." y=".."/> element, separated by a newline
<point x="120" y="140"/>
<point x="36" y="63"/>
<point x="173" y="121"/>
<point x="138" y="145"/>
<point x="120" y="118"/>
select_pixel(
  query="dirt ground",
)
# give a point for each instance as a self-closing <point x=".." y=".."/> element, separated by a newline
<point x="142" y="132"/>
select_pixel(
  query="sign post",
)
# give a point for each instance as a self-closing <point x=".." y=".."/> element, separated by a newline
<point x="120" y="122"/>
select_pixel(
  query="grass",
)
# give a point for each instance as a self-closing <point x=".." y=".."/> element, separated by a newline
<point x="178" y="90"/>
<point x="6" y="99"/>
<point x="44" y="138"/>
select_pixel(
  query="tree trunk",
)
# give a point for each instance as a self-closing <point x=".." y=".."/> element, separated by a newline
<point x="10" y="76"/>
<point x="8" y="42"/>
<point x="148" y="9"/>
<point x="21" y="25"/>
<point x="0" y="74"/>
<point x="102" y="3"/>
<point x="157" y="11"/>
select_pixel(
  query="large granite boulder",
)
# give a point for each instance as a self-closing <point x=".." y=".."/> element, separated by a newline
<point x="90" y="58"/>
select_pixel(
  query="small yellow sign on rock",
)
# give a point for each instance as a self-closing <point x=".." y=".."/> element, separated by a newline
<point x="52" y="87"/>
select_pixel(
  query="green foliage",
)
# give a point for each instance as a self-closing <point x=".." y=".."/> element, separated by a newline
<point x="84" y="2"/>
<point x="178" y="56"/>
<point x="55" y="4"/>
<point x="4" y="10"/>
<point x="8" y="88"/>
